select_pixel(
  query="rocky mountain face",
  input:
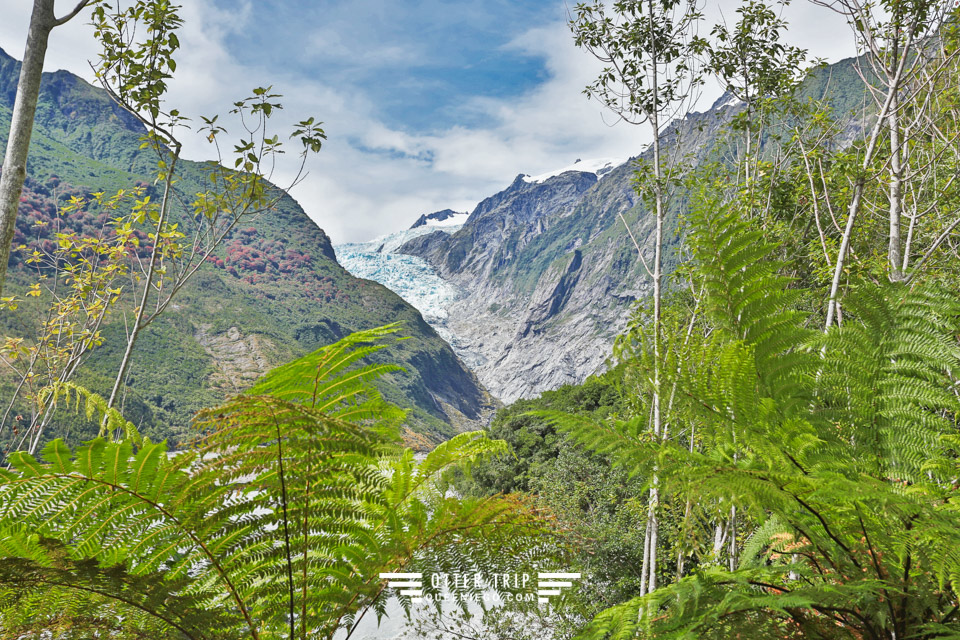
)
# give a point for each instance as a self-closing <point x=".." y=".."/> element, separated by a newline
<point x="273" y="292"/>
<point x="542" y="295"/>
<point x="546" y="271"/>
<point x="502" y="323"/>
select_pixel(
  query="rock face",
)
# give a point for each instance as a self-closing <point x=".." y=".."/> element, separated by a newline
<point x="543" y="294"/>
<point x="239" y="359"/>
<point x="547" y="273"/>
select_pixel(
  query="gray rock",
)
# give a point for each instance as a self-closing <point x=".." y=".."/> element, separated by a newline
<point x="548" y="273"/>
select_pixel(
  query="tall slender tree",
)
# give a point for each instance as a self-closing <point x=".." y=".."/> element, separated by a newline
<point x="138" y="41"/>
<point x="753" y="64"/>
<point x="43" y="20"/>
<point x="649" y="48"/>
<point x="138" y="44"/>
<point x="890" y="35"/>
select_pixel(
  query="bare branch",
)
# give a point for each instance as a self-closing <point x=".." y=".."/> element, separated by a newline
<point x="73" y="14"/>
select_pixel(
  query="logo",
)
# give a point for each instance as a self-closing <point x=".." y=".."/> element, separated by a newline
<point x="549" y="584"/>
<point x="410" y="584"/>
<point x="494" y="587"/>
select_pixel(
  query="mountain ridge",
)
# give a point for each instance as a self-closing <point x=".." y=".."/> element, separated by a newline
<point x="437" y="216"/>
<point x="548" y="274"/>
<point x="275" y="287"/>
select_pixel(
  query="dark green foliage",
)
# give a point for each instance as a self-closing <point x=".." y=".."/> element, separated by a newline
<point x="63" y="595"/>
<point x="594" y="504"/>
<point x="277" y="523"/>
<point x="597" y="506"/>
<point x="840" y="448"/>
<point x="534" y="442"/>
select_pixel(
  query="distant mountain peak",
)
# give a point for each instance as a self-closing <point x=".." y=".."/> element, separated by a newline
<point x="598" y="166"/>
<point x="447" y="217"/>
<point x="726" y="100"/>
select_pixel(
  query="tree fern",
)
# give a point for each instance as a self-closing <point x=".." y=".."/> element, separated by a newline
<point x="55" y="594"/>
<point x="280" y="518"/>
<point x="94" y="407"/>
<point x="334" y="378"/>
<point x="886" y="380"/>
<point x="839" y="448"/>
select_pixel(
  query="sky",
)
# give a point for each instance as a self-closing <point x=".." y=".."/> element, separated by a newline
<point x="428" y="104"/>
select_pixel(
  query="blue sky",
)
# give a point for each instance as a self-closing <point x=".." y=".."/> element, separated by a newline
<point x="416" y="60"/>
<point x="428" y="104"/>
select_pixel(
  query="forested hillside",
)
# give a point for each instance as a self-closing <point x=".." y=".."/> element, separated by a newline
<point x="273" y="292"/>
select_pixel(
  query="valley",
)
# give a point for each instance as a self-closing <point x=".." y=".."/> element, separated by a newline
<point x="700" y="382"/>
<point x="273" y="291"/>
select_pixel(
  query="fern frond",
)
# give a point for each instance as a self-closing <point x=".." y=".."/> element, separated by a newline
<point x="330" y="378"/>
<point x="280" y="518"/>
<point x="94" y="407"/>
<point x="842" y="446"/>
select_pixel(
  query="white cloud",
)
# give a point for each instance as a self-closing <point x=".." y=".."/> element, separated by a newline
<point x="371" y="179"/>
<point x="352" y="48"/>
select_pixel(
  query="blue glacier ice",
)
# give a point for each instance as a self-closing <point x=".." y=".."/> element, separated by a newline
<point x="410" y="277"/>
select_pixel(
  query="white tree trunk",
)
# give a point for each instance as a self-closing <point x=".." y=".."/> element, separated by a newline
<point x="732" y="541"/>
<point x="895" y="194"/>
<point x="42" y="21"/>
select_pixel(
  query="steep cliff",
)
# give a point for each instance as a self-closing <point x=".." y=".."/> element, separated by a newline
<point x="546" y="270"/>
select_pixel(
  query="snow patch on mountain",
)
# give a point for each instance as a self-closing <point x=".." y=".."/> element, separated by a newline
<point x="390" y="242"/>
<point x="441" y="218"/>
<point x="599" y="166"/>
<point x="726" y="100"/>
<point x="456" y="220"/>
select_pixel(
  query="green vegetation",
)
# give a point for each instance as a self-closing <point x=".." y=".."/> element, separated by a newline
<point x="535" y="444"/>
<point x="276" y="524"/>
<point x="774" y="454"/>
<point x="837" y="450"/>
<point x="799" y="481"/>
<point x="275" y="278"/>
<point x="593" y="502"/>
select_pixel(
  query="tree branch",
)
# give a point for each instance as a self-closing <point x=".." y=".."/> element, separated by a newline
<point x="73" y="14"/>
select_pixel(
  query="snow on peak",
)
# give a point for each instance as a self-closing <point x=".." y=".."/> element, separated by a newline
<point x="434" y="219"/>
<point x="599" y="166"/>
<point x="731" y="101"/>
<point x="456" y="219"/>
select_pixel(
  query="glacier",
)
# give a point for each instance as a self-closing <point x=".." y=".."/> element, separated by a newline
<point x="410" y="277"/>
<point x="415" y="280"/>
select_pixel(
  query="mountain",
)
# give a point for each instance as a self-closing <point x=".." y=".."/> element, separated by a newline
<point x="598" y="167"/>
<point x="547" y="275"/>
<point x="547" y="285"/>
<point x="446" y="217"/>
<point x="274" y="292"/>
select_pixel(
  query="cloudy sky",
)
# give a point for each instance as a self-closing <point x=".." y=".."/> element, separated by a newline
<point x="428" y="104"/>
